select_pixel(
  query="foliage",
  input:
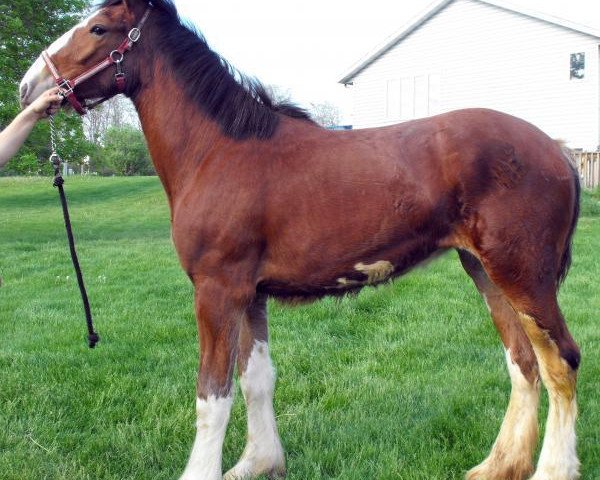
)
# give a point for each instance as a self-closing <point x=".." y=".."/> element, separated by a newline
<point x="280" y="94"/>
<point x="26" y="28"/>
<point x="115" y="112"/>
<point x="406" y="381"/>
<point x="590" y="202"/>
<point x="325" y="114"/>
<point x="124" y="153"/>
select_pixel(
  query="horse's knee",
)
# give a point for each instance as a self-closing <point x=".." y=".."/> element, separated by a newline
<point x="220" y="308"/>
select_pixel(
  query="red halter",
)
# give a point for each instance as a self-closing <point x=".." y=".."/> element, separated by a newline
<point x="114" y="58"/>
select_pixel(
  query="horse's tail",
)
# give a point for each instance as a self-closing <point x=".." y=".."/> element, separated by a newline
<point x="565" y="262"/>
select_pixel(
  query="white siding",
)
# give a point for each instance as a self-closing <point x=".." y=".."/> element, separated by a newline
<point x="473" y="54"/>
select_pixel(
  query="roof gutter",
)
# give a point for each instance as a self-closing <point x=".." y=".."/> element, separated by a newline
<point x="392" y="40"/>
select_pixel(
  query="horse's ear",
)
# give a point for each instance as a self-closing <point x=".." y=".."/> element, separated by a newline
<point x="134" y="7"/>
<point x="129" y="5"/>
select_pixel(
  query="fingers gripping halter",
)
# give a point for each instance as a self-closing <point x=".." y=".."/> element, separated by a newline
<point x="115" y="57"/>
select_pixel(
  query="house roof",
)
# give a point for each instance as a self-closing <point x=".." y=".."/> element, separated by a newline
<point x="439" y="5"/>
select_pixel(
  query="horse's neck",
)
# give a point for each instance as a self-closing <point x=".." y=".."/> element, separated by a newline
<point x="179" y="136"/>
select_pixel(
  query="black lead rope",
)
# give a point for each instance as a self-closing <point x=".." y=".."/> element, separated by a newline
<point x="58" y="182"/>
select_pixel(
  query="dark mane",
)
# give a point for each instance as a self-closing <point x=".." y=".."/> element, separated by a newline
<point x="241" y="105"/>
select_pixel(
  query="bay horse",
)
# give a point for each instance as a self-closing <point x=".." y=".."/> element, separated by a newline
<point x="265" y="203"/>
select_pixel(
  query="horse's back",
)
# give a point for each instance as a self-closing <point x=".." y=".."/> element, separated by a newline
<point x="398" y="194"/>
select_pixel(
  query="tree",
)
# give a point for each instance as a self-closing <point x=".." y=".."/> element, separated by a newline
<point x="325" y="114"/>
<point x="26" y="28"/>
<point x="115" y="112"/>
<point x="279" y="94"/>
<point x="124" y="153"/>
<point x="109" y="128"/>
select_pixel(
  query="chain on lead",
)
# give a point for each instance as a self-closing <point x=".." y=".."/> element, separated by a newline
<point x="54" y="157"/>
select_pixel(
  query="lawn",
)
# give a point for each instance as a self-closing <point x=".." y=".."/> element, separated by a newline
<point x="406" y="381"/>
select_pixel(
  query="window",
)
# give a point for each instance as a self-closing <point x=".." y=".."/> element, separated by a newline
<point x="435" y="93"/>
<point x="407" y="98"/>
<point x="421" y="96"/>
<point x="577" y="66"/>
<point x="393" y="99"/>
<point x="413" y="97"/>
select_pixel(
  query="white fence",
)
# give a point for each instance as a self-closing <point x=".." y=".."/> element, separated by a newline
<point x="588" y="165"/>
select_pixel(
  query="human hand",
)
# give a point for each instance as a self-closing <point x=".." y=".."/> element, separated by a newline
<point x="48" y="103"/>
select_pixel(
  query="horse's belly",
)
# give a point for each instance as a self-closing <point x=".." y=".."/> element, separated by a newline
<point x="329" y="270"/>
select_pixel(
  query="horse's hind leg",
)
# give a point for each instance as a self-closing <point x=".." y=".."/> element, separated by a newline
<point x="527" y="276"/>
<point x="558" y="357"/>
<point x="263" y="453"/>
<point x="512" y="454"/>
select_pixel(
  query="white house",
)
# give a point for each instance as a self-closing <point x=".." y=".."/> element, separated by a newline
<point x="485" y="53"/>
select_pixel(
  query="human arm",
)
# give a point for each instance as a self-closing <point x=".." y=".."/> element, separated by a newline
<point x="13" y="136"/>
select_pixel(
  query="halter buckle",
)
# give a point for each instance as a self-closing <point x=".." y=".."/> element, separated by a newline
<point x="134" y="34"/>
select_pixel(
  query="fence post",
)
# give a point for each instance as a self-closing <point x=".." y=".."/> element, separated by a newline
<point x="588" y="166"/>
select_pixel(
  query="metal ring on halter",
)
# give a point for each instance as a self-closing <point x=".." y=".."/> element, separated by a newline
<point x="55" y="159"/>
<point x="112" y="56"/>
<point x="65" y="89"/>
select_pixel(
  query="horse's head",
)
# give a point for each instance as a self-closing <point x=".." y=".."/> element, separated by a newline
<point x="90" y="57"/>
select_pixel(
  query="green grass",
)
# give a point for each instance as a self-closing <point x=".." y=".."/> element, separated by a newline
<point x="406" y="381"/>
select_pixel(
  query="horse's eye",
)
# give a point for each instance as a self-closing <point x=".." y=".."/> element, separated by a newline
<point x="98" y="30"/>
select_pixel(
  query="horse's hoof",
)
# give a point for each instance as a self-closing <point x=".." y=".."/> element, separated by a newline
<point x="555" y="474"/>
<point x="246" y="470"/>
<point x="488" y="471"/>
<point x="277" y="473"/>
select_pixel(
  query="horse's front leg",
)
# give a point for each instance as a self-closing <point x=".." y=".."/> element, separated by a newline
<point x="220" y="306"/>
<point x="263" y="453"/>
